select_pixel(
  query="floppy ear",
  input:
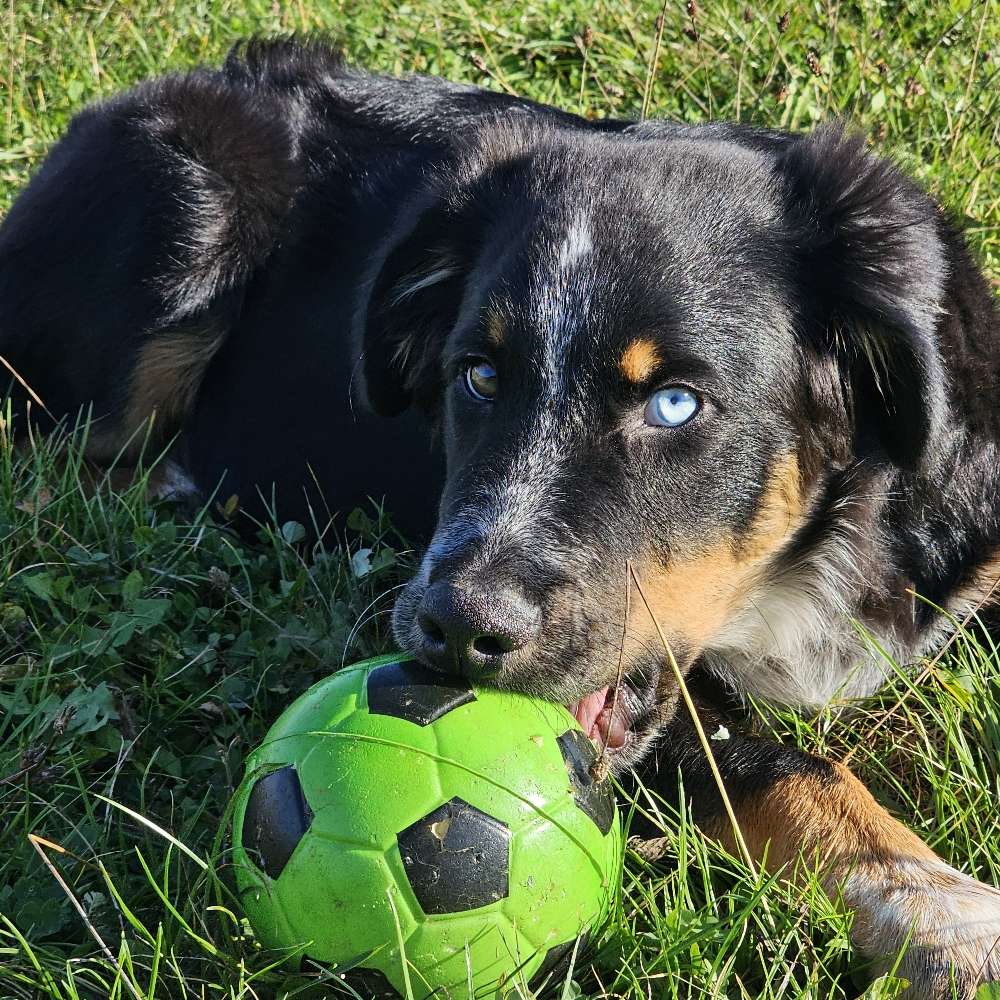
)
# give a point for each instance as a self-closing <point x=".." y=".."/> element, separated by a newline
<point x="415" y="290"/>
<point x="417" y="282"/>
<point x="872" y="268"/>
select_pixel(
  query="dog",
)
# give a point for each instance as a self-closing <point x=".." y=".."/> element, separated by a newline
<point x="644" y="386"/>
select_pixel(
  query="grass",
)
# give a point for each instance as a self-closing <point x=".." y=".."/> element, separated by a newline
<point x="144" y="650"/>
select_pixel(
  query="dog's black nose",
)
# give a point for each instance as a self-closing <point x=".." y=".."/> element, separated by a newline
<point x="469" y="631"/>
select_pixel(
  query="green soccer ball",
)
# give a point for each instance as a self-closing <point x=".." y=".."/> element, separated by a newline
<point x="428" y="834"/>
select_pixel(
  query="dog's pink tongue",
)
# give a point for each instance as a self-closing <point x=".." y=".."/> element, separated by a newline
<point x="605" y="726"/>
<point x="588" y="710"/>
<point x="613" y="724"/>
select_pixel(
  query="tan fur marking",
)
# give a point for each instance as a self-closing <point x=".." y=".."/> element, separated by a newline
<point x="900" y="892"/>
<point x="165" y="379"/>
<point x="692" y="598"/>
<point x="835" y="822"/>
<point x="160" y="481"/>
<point x="782" y="511"/>
<point x="496" y="328"/>
<point x="640" y="360"/>
<point x="982" y="589"/>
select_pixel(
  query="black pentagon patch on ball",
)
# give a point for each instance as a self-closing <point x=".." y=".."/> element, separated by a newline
<point x="456" y="858"/>
<point x="412" y="692"/>
<point x="553" y="970"/>
<point x="595" y="798"/>
<point x="276" y="819"/>
<point x="370" y="984"/>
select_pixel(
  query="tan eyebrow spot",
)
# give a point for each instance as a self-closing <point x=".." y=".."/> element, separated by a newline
<point x="639" y="360"/>
<point x="496" y="328"/>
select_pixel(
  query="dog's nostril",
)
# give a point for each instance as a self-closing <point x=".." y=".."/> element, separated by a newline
<point x="432" y="631"/>
<point x="472" y="630"/>
<point x="489" y="645"/>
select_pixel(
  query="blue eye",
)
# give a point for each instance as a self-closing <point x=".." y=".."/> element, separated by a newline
<point x="671" y="407"/>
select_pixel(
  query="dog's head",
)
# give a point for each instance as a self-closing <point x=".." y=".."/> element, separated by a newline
<point x="645" y="354"/>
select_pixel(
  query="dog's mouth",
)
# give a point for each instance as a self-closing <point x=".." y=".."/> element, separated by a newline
<point x="621" y="718"/>
<point x="607" y="716"/>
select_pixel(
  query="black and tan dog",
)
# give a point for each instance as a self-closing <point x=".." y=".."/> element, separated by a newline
<point x="757" y="367"/>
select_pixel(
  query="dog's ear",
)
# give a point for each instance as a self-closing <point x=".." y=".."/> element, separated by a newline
<point x="414" y="294"/>
<point x="872" y="269"/>
<point x="420" y="279"/>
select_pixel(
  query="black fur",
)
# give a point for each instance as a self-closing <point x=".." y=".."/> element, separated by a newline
<point x="156" y="208"/>
<point x="824" y="304"/>
<point x="868" y="260"/>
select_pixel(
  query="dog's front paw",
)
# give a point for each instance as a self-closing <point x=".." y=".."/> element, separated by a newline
<point x="952" y="923"/>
